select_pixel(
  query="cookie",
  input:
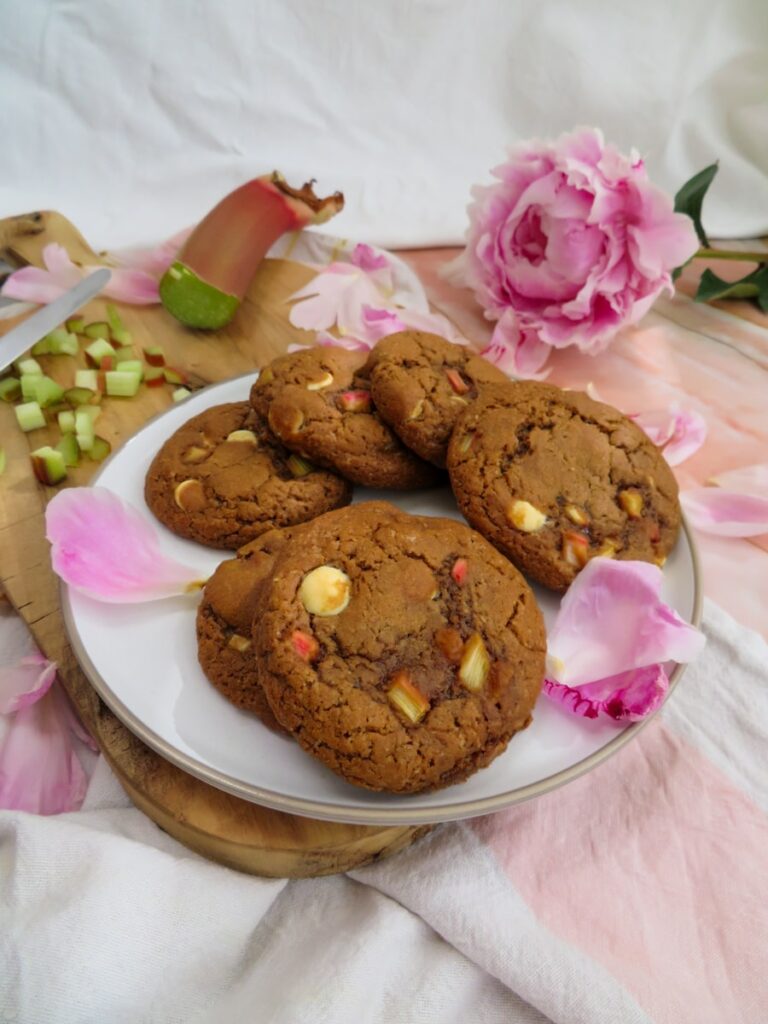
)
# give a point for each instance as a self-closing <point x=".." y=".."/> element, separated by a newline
<point x="221" y="479"/>
<point x="402" y="651"/>
<point x="421" y="384"/>
<point x="319" y="405"/>
<point x="553" y="478"/>
<point x="224" y="620"/>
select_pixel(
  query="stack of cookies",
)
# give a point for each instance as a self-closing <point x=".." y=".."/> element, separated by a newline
<point x="402" y="651"/>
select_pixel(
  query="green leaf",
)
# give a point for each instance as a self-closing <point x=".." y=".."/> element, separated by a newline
<point x="753" y="286"/>
<point x="690" y="198"/>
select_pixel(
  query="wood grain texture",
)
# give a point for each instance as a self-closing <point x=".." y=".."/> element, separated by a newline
<point x="213" y="823"/>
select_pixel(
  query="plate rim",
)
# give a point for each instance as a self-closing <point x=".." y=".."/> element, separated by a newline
<point x="324" y="811"/>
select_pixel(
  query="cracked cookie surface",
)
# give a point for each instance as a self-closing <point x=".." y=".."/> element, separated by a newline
<point x="224" y="622"/>
<point x="224" y="491"/>
<point x="319" y="404"/>
<point x="402" y="651"/>
<point x="421" y="384"/>
<point x="553" y="478"/>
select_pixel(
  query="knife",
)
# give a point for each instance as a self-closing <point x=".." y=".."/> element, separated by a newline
<point x="16" y="342"/>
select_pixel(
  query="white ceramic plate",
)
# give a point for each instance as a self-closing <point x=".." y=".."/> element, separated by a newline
<point x="142" y="660"/>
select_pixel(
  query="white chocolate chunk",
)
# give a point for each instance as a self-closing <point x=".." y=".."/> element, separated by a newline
<point x="325" y="590"/>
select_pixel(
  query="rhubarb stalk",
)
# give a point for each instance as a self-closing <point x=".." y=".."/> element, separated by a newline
<point x="204" y="286"/>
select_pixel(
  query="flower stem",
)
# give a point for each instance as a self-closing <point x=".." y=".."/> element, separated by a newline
<point x="732" y="254"/>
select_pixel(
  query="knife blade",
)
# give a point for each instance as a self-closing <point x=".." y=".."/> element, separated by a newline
<point x="16" y="342"/>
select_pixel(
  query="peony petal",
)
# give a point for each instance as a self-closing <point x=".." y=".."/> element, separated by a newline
<point x="134" y="286"/>
<point x="39" y="769"/>
<point x="725" y="513"/>
<point x="31" y="284"/>
<point x="612" y="620"/>
<point x="25" y="682"/>
<point x="366" y="258"/>
<point x="745" y="479"/>
<point x="680" y="432"/>
<point x="626" y="697"/>
<point x="154" y="261"/>
<point x="103" y="547"/>
<point x="517" y="350"/>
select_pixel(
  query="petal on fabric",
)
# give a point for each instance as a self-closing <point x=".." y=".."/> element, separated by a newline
<point x="25" y="682"/>
<point x="367" y="258"/>
<point x="39" y="768"/>
<point x="725" y="513"/>
<point x="745" y="479"/>
<point x="680" y="432"/>
<point x="516" y="349"/>
<point x="612" y="620"/>
<point x="626" y="697"/>
<point x="104" y="548"/>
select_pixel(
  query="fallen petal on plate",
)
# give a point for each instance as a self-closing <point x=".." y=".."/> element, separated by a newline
<point x="745" y="480"/>
<point x="612" y="620"/>
<point x="39" y="768"/>
<point x="104" y="548"/>
<point x="626" y="697"/>
<point x="725" y="513"/>
<point x="25" y="682"/>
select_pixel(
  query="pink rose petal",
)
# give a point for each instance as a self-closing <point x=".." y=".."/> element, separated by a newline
<point x="626" y="697"/>
<point x="25" y="682"/>
<point x="39" y="768"/>
<point x="612" y="620"/>
<point x="725" y="513"/>
<point x="103" y="547"/>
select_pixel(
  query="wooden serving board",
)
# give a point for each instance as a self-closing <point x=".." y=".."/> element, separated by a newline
<point x="209" y="821"/>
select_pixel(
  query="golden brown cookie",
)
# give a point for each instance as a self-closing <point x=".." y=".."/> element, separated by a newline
<point x="421" y="384"/>
<point x="319" y="405"/>
<point x="224" y="621"/>
<point x="402" y="651"/>
<point x="223" y="480"/>
<point x="553" y="478"/>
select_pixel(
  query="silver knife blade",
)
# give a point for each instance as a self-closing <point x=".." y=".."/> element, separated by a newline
<point x="16" y="342"/>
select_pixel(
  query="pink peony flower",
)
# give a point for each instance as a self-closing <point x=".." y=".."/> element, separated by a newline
<point x="574" y="239"/>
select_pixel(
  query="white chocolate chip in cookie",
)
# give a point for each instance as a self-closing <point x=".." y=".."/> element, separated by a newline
<point x="324" y="382"/>
<point x="525" y="517"/>
<point x="243" y="435"/>
<point x="325" y="590"/>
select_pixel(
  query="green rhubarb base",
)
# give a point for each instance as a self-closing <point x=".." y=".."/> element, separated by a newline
<point x="193" y="301"/>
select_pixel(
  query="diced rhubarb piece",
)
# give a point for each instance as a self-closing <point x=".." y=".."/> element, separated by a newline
<point x="457" y="382"/>
<point x="298" y="466"/>
<point x="122" y="385"/>
<point x="29" y="416"/>
<point x="69" y="448"/>
<point x="42" y="347"/>
<point x="180" y="394"/>
<point x="97" y="351"/>
<point x="631" y="500"/>
<point x="66" y="421"/>
<point x="459" y="571"/>
<point x="47" y="392"/>
<point x="100" y="449"/>
<point x="84" y="431"/>
<point x="62" y="343"/>
<point x="408" y="700"/>
<point x="48" y="465"/>
<point x="475" y="664"/>
<point x="355" y="401"/>
<point x="79" y="396"/>
<point x="449" y="642"/>
<point x="100" y="329"/>
<point x="126" y="354"/>
<point x="154" y="355"/>
<point x="113" y="318"/>
<point x="122" y="337"/>
<point x="10" y="389"/>
<point x="75" y="324"/>
<point x="304" y="645"/>
<point x="28" y="384"/>
<point x="575" y="549"/>
<point x="86" y="379"/>
<point x="654" y="534"/>
<point x="174" y="376"/>
<point x="107" y="364"/>
<point x="154" y="377"/>
<point x="204" y="286"/>
<point x="28" y="366"/>
<point x="131" y="366"/>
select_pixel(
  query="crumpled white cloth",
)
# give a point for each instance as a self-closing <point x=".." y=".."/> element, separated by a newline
<point x="134" y="118"/>
<point x="635" y="894"/>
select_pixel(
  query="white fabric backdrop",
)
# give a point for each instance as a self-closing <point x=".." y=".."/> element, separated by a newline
<point x="133" y="118"/>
